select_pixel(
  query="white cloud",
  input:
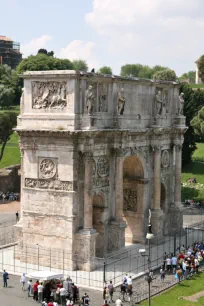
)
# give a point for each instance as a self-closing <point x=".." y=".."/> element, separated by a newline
<point x="79" y="49"/>
<point x="35" y="44"/>
<point x="150" y="31"/>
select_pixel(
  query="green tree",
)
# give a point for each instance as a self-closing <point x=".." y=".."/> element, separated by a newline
<point x="44" y="51"/>
<point x="201" y="67"/>
<point x="198" y="122"/>
<point x="7" y="86"/>
<point x="190" y="76"/>
<point x="43" y="62"/>
<point x="165" y="75"/>
<point x="105" y="70"/>
<point x="8" y="121"/>
<point x="80" y="65"/>
<point x="140" y="71"/>
<point x="193" y="102"/>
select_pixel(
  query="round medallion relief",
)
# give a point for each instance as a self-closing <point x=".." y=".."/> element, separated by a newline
<point x="103" y="166"/>
<point x="165" y="159"/>
<point x="47" y="168"/>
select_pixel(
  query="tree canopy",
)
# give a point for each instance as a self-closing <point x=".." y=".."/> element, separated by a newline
<point x="43" y="62"/>
<point x="105" y="70"/>
<point x="44" y="51"/>
<point x="165" y="75"/>
<point x="80" y="65"/>
<point x="189" y="76"/>
<point x="7" y="86"/>
<point x="201" y="67"/>
<point x="193" y="103"/>
<point x="8" y="121"/>
<point x="140" y="71"/>
<point x="198" y="122"/>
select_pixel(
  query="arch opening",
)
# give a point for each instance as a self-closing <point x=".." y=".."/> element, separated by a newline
<point x="133" y="199"/>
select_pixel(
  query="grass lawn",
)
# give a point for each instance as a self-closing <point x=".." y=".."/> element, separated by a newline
<point x="194" y="169"/>
<point x="196" y="85"/>
<point x="199" y="153"/>
<point x="11" y="153"/>
<point x="173" y="297"/>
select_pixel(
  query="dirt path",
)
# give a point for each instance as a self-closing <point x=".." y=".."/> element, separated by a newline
<point x="10" y="207"/>
<point x="195" y="297"/>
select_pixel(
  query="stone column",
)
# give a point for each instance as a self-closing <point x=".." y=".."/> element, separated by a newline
<point x="178" y="160"/>
<point x="88" y="198"/>
<point x="157" y="177"/>
<point x="119" y="187"/>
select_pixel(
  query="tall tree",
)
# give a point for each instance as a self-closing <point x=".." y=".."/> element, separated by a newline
<point x="8" y="121"/>
<point x="140" y="71"/>
<point x="105" y="70"/>
<point x="201" y="67"/>
<point x="44" y="51"/>
<point x="43" y="62"/>
<point x="165" y="75"/>
<point x="189" y="76"/>
<point x="7" y="86"/>
<point x="193" y="102"/>
<point x="198" y="123"/>
<point x="80" y="65"/>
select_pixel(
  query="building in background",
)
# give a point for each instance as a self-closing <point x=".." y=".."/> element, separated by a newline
<point x="9" y="52"/>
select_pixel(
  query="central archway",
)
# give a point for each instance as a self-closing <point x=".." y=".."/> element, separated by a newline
<point x="133" y="199"/>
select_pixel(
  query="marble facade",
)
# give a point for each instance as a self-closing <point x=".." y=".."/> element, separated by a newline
<point x="98" y="152"/>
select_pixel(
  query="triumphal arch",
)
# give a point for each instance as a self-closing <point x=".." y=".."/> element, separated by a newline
<point x="97" y="152"/>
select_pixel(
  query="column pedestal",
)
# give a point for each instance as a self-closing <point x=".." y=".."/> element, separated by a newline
<point x="85" y="250"/>
<point x="116" y="236"/>
<point x="175" y="220"/>
<point x="157" y="221"/>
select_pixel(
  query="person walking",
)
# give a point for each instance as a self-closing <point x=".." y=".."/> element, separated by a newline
<point x="23" y="280"/>
<point x="174" y="263"/>
<point x="63" y="296"/>
<point x="40" y="293"/>
<point x="35" y="291"/>
<point x="110" y="291"/>
<point x="106" y="303"/>
<point x="29" y="287"/>
<point x="5" y="278"/>
<point x="168" y="264"/>
<point x="105" y="294"/>
<point x="17" y="216"/>
<point x="162" y="274"/>
<point x="123" y="290"/>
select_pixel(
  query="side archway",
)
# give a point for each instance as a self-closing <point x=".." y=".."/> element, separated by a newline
<point x="133" y="198"/>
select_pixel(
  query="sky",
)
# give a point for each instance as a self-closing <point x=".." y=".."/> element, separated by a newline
<point x="109" y="32"/>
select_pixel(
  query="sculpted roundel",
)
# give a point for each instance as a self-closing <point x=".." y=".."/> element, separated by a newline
<point x="47" y="168"/>
<point x="165" y="159"/>
<point x="103" y="166"/>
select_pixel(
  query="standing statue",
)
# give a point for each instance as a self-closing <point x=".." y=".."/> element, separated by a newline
<point x="22" y="101"/>
<point x="181" y="104"/>
<point x="121" y="102"/>
<point x="159" y="103"/>
<point x="150" y="215"/>
<point x="89" y="99"/>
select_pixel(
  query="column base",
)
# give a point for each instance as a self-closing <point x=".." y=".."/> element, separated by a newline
<point x="84" y="248"/>
<point x="157" y="221"/>
<point x="116" y="235"/>
<point x="175" y="218"/>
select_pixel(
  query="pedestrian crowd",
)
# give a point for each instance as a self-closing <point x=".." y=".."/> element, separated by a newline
<point x="185" y="264"/>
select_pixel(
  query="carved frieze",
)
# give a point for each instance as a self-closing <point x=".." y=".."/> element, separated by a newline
<point x="130" y="200"/>
<point x="47" y="168"/>
<point x="47" y="95"/>
<point x="100" y="182"/>
<point x="50" y="184"/>
<point x="103" y="166"/>
<point x="165" y="159"/>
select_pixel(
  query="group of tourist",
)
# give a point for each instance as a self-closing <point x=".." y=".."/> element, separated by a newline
<point x="194" y="203"/>
<point x="53" y="292"/>
<point x="186" y="263"/>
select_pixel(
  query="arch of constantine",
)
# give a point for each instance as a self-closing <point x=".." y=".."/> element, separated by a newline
<point x="98" y="152"/>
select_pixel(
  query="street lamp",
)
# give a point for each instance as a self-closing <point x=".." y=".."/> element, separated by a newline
<point x="148" y="278"/>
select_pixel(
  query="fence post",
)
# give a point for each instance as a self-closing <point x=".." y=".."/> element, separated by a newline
<point x="63" y="260"/>
<point x="186" y="232"/>
<point x="104" y="272"/>
<point x="14" y="256"/>
<point x="2" y="259"/>
<point x="26" y="258"/>
<point x="50" y="258"/>
<point x="38" y="257"/>
<point x="174" y="244"/>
